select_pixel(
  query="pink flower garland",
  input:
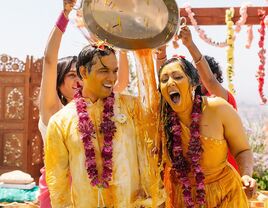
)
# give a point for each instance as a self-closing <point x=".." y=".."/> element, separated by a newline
<point x="179" y="163"/>
<point x="261" y="73"/>
<point x="249" y="37"/>
<point x="202" y="33"/>
<point x="87" y="132"/>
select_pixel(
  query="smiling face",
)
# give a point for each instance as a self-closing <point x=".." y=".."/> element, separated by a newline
<point x="101" y="78"/>
<point x="175" y="87"/>
<point x="67" y="88"/>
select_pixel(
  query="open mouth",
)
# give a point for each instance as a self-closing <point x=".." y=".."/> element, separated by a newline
<point x="108" y="86"/>
<point x="175" y="97"/>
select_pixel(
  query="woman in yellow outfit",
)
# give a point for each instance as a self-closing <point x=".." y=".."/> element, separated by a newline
<point x="198" y="132"/>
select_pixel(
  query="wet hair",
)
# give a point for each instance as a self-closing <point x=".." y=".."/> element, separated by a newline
<point x="63" y="67"/>
<point x="192" y="74"/>
<point x="86" y="56"/>
<point x="215" y="68"/>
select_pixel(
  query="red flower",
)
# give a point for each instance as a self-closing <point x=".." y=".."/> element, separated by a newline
<point x="260" y="73"/>
<point x="87" y="131"/>
<point x="179" y="163"/>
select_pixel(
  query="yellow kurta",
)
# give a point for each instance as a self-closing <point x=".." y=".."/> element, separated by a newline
<point x="66" y="175"/>
<point x="223" y="186"/>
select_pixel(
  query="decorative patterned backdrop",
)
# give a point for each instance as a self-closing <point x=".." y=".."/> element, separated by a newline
<point x="20" y="141"/>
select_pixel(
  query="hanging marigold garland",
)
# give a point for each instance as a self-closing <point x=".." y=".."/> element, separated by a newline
<point x="229" y="14"/>
<point x="261" y="73"/>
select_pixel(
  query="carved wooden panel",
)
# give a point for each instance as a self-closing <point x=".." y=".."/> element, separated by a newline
<point x="10" y="64"/>
<point x="37" y="66"/>
<point x="13" y="125"/>
<point x="12" y="79"/>
<point x="36" y="149"/>
<point x="13" y="149"/>
<point x="35" y="100"/>
<point x="14" y="103"/>
<point x="1" y="103"/>
<point x="21" y="146"/>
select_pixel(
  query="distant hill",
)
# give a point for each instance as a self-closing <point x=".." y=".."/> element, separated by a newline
<point x="253" y="113"/>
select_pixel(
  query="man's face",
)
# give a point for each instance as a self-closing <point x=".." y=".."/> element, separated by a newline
<point x="99" y="82"/>
<point x="175" y="86"/>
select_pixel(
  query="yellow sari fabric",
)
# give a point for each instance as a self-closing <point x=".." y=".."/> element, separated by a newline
<point x="222" y="183"/>
<point x="66" y="175"/>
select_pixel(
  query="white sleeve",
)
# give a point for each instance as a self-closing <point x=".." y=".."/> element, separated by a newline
<point x="42" y="128"/>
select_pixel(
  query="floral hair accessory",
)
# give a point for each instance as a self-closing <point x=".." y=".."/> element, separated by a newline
<point x="178" y="56"/>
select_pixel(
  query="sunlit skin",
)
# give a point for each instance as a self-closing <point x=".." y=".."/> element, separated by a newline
<point x="204" y="91"/>
<point x="99" y="82"/>
<point x="174" y="80"/>
<point x="219" y="120"/>
<point x="70" y="83"/>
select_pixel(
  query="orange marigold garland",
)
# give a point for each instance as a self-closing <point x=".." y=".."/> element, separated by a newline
<point x="261" y="73"/>
<point x="229" y="14"/>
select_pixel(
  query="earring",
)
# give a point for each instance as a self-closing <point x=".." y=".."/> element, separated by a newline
<point x="193" y="94"/>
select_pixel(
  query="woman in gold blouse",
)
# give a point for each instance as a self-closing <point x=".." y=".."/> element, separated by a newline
<point x="199" y="130"/>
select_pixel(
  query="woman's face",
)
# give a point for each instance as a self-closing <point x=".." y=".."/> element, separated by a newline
<point x="175" y="87"/>
<point x="70" y="83"/>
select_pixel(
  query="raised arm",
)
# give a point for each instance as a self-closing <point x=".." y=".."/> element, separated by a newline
<point x="49" y="100"/>
<point x="205" y="73"/>
<point x="161" y="56"/>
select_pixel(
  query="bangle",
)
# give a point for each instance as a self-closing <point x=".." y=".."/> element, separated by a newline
<point x="161" y="59"/>
<point x="199" y="60"/>
<point x="62" y="22"/>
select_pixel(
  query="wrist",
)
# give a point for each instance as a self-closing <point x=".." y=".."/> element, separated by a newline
<point x="162" y="57"/>
<point x="62" y="22"/>
<point x="66" y="13"/>
<point x="189" y="44"/>
<point x="199" y="60"/>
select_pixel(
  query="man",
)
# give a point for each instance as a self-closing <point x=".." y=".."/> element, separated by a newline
<point x="95" y="140"/>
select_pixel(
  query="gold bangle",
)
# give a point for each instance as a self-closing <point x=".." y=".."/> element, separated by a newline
<point x="199" y="60"/>
<point x="161" y="59"/>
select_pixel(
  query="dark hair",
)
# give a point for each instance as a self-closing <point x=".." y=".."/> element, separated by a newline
<point x="215" y="67"/>
<point x="187" y="67"/>
<point x="86" y="56"/>
<point x="192" y="74"/>
<point x="63" y="67"/>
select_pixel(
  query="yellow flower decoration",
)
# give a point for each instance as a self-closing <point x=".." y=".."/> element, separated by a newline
<point x="229" y="14"/>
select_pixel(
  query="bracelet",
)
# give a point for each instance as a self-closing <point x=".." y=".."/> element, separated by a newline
<point x="62" y="22"/>
<point x="161" y="59"/>
<point x="199" y="60"/>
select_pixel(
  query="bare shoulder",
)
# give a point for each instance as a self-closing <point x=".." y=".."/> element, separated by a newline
<point x="215" y="102"/>
<point x="218" y="106"/>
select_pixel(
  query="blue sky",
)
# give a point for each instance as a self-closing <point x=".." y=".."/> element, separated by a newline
<point x="25" y="26"/>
